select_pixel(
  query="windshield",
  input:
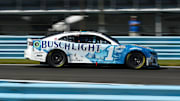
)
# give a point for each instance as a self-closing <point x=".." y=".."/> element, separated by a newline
<point x="111" y="38"/>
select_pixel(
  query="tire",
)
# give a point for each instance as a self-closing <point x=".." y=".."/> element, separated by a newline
<point x="135" y="60"/>
<point x="56" y="58"/>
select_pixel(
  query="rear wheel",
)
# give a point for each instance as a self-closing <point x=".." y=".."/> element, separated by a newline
<point x="56" y="58"/>
<point x="135" y="60"/>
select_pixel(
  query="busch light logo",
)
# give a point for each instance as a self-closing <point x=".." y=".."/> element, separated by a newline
<point x="67" y="46"/>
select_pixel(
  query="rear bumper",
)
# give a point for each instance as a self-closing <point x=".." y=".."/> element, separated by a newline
<point x="27" y="54"/>
<point x="36" y="56"/>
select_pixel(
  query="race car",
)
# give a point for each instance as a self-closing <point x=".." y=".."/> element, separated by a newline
<point x="88" y="47"/>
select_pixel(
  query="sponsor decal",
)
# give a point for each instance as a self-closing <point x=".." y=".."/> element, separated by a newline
<point x="93" y="52"/>
<point x="36" y="44"/>
<point x="55" y="39"/>
<point x="70" y="46"/>
<point x="111" y="54"/>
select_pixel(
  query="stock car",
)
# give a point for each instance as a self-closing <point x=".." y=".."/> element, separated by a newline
<point x="88" y="47"/>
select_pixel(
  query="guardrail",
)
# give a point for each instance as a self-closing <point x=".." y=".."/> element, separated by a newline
<point x="10" y="91"/>
<point x="168" y="48"/>
<point x="12" y="47"/>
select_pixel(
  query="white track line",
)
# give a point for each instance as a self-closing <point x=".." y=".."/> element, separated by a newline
<point x="68" y="82"/>
<point x="169" y="66"/>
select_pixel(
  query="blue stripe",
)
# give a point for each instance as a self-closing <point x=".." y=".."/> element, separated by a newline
<point x="86" y="91"/>
<point x="77" y="97"/>
<point x="11" y="36"/>
<point x="12" y="58"/>
<point x="91" y="86"/>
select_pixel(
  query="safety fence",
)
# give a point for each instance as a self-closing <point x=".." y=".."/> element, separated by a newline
<point x="13" y="91"/>
<point x="12" y="47"/>
<point x="168" y="48"/>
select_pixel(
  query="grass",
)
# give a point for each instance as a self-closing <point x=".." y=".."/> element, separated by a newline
<point x="169" y="62"/>
<point x="25" y="61"/>
<point x="18" y="61"/>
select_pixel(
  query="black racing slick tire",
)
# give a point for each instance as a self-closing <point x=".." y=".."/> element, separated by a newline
<point x="135" y="60"/>
<point x="56" y="58"/>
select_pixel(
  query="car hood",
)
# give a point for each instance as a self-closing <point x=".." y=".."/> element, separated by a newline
<point x="139" y="46"/>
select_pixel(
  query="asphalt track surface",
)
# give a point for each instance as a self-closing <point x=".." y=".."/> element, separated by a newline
<point x="84" y="73"/>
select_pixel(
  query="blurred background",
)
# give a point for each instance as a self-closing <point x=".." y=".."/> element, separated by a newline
<point x="41" y="17"/>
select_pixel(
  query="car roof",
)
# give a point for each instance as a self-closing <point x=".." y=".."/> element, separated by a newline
<point x="74" y="33"/>
<point x="79" y="33"/>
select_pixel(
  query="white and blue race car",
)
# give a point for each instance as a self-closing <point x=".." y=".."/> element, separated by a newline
<point x="88" y="47"/>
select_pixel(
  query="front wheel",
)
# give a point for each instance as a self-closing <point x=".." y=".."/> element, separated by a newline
<point x="56" y="59"/>
<point x="135" y="60"/>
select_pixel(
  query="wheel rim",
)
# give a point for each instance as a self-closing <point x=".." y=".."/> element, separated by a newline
<point x="57" y="58"/>
<point x="136" y="60"/>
